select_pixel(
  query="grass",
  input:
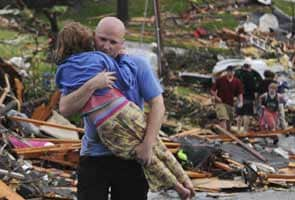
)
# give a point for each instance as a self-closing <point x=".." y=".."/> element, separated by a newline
<point x="183" y="91"/>
<point x="224" y="20"/>
<point x="285" y="6"/>
<point x="90" y="12"/>
<point x="15" y="44"/>
<point x="174" y="6"/>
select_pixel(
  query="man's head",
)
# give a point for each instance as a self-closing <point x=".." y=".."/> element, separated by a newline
<point x="246" y="67"/>
<point x="269" y="75"/>
<point x="109" y="36"/>
<point x="230" y="72"/>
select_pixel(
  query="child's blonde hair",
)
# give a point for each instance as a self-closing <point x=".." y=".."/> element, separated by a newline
<point x="73" y="38"/>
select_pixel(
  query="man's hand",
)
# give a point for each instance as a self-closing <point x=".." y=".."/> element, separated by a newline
<point x="104" y="80"/>
<point x="143" y="153"/>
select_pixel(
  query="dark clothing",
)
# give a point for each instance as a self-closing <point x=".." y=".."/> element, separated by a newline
<point x="227" y="90"/>
<point x="263" y="88"/>
<point x="96" y="174"/>
<point x="250" y="88"/>
<point x="272" y="104"/>
<point x="249" y="83"/>
<point x="247" y="109"/>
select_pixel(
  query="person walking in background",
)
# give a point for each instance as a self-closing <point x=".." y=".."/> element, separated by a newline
<point x="247" y="77"/>
<point x="223" y="91"/>
<point x="269" y="103"/>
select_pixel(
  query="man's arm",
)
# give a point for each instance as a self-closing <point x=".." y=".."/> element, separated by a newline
<point x="74" y="102"/>
<point x="154" y="122"/>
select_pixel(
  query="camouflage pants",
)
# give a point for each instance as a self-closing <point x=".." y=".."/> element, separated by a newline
<point x="123" y="132"/>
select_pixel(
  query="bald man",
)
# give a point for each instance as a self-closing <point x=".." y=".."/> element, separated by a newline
<point x="100" y="172"/>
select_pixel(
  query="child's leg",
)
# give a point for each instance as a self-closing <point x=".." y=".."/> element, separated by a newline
<point x="270" y="119"/>
<point x="160" y="177"/>
<point x="174" y="166"/>
<point x="170" y="161"/>
<point x="262" y="121"/>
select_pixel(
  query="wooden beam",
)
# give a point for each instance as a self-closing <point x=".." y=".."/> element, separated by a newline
<point x="192" y="132"/>
<point x="7" y="193"/>
<point x="54" y="140"/>
<point x="193" y="174"/>
<point x="171" y="144"/>
<point x="281" y="176"/>
<point x="38" y="151"/>
<point x="246" y="147"/>
<point x="44" y="123"/>
<point x="256" y="134"/>
<point x="223" y="166"/>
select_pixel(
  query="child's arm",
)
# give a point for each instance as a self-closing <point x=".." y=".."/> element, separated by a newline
<point x="261" y="99"/>
<point x="72" y="103"/>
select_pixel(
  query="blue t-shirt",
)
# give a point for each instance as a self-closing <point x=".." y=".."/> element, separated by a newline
<point x="146" y="87"/>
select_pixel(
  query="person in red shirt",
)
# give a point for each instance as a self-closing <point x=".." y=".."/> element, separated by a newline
<point x="224" y="90"/>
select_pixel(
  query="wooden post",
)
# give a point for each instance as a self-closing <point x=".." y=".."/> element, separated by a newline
<point x="158" y="36"/>
<point x="122" y="10"/>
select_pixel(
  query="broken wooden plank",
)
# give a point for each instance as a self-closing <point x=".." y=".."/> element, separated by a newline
<point x="280" y="176"/>
<point x="35" y="152"/>
<point x="54" y="140"/>
<point x="172" y="144"/>
<point x="62" y="162"/>
<point x="223" y="166"/>
<point x="281" y="180"/>
<point x="246" y="147"/>
<point x="7" y="193"/>
<point x="235" y="163"/>
<point x="6" y="90"/>
<point x="57" y="118"/>
<point x="43" y="112"/>
<point x="193" y="174"/>
<point x="229" y="34"/>
<point x="19" y="90"/>
<point x="54" y="171"/>
<point x="43" y="123"/>
<point x="192" y="132"/>
<point x="263" y="134"/>
<point x="217" y="184"/>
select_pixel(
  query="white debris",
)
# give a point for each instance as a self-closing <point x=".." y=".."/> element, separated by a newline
<point x="20" y="62"/>
<point x="258" y="65"/>
<point x="267" y="22"/>
<point x="265" y="2"/>
<point x="249" y="27"/>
